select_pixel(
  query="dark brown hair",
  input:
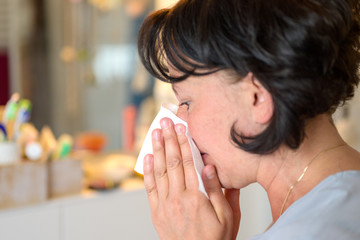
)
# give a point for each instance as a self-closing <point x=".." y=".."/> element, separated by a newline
<point x="304" y="52"/>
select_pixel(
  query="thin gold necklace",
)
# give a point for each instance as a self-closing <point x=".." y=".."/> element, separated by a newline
<point x="303" y="173"/>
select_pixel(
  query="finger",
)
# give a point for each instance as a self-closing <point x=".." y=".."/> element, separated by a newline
<point x="232" y="196"/>
<point x="174" y="160"/>
<point x="191" y="179"/>
<point x="149" y="181"/>
<point x="160" y="171"/>
<point x="216" y="196"/>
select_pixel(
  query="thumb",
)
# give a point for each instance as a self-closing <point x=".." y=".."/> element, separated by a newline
<point x="232" y="196"/>
<point x="216" y="196"/>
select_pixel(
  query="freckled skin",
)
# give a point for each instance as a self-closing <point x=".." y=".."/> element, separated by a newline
<point x="213" y="106"/>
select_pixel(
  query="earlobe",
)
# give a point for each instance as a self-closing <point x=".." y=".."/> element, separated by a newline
<point x="263" y="106"/>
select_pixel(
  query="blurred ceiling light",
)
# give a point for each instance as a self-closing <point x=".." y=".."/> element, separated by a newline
<point x="136" y="8"/>
<point x="105" y="5"/>
<point x="68" y="54"/>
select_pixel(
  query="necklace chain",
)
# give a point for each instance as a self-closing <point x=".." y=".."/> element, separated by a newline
<point x="303" y="173"/>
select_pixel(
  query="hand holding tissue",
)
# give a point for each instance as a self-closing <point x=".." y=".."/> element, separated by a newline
<point x="168" y="111"/>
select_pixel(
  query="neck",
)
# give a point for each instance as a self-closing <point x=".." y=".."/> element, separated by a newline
<point x="281" y="170"/>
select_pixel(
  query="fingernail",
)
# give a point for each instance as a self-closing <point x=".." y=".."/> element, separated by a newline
<point x="180" y="129"/>
<point x="210" y="174"/>
<point x="148" y="162"/>
<point x="156" y="134"/>
<point x="165" y="123"/>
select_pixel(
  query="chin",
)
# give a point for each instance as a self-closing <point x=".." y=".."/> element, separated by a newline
<point x="207" y="161"/>
<point x="225" y="185"/>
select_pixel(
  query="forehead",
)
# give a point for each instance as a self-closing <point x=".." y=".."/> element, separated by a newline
<point x="173" y="72"/>
<point x="218" y="80"/>
<point x="174" y="88"/>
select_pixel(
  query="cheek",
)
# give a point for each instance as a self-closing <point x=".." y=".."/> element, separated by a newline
<point x="206" y="131"/>
<point x="208" y="125"/>
<point x="195" y="127"/>
<point x="198" y="129"/>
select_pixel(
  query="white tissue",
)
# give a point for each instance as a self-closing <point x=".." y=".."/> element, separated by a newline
<point x="168" y="111"/>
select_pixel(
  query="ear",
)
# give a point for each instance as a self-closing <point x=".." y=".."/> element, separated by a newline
<point x="263" y="105"/>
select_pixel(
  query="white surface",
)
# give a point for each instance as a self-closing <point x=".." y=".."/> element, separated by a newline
<point x="40" y="223"/>
<point x="109" y="216"/>
<point x="112" y="215"/>
<point x="168" y="111"/>
<point x="125" y="216"/>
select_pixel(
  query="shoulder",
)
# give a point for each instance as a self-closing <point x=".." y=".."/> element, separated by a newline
<point x="330" y="211"/>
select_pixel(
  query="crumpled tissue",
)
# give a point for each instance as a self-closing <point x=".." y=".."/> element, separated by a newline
<point x="169" y="110"/>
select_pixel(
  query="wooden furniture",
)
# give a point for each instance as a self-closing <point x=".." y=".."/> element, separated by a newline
<point x="25" y="183"/>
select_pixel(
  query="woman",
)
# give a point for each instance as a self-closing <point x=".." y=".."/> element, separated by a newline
<point x="257" y="82"/>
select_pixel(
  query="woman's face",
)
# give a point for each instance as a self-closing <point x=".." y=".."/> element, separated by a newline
<point x="210" y="105"/>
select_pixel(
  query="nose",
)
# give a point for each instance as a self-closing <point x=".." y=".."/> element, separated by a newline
<point x="181" y="113"/>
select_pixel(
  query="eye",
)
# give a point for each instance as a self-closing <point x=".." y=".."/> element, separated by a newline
<point x="187" y="103"/>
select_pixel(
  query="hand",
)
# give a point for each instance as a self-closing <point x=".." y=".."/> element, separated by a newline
<point x="179" y="210"/>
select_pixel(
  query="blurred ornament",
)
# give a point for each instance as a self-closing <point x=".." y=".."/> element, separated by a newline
<point x="68" y="54"/>
<point x="93" y="141"/>
<point x="83" y="55"/>
<point x="33" y="151"/>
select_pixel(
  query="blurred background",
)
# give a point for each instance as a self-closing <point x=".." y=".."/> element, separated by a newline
<point x="76" y="63"/>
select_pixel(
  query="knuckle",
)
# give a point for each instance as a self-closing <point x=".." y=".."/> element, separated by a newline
<point x="169" y="137"/>
<point x="188" y="161"/>
<point x="150" y="189"/>
<point x="196" y="201"/>
<point x="160" y="173"/>
<point x="157" y="146"/>
<point x="183" y="141"/>
<point x="173" y="162"/>
<point x="177" y="205"/>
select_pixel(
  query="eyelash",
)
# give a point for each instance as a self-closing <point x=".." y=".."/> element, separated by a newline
<point x="184" y="104"/>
